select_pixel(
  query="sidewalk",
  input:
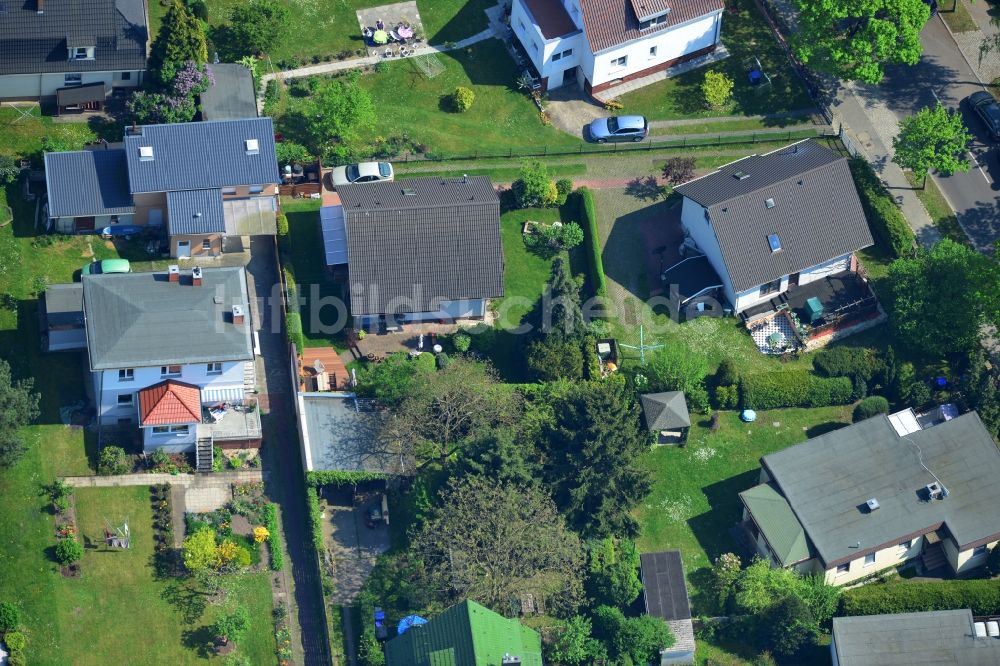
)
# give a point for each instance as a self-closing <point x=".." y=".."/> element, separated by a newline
<point x="986" y="66"/>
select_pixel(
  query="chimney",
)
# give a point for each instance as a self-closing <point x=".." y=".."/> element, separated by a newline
<point x="238" y="315"/>
<point x="40" y="6"/>
<point x="173" y="273"/>
<point x="196" y="276"/>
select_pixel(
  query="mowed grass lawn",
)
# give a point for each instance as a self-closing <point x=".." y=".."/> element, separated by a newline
<point x="746" y="35"/>
<point x="328" y="27"/>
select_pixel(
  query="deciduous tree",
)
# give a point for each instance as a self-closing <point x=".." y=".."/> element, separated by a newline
<point x="787" y="626"/>
<point x="674" y="368"/>
<point x="233" y="626"/>
<point x="18" y="408"/>
<point x="502" y="455"/>
<point x="340" y="109"/>
<point x="613" y="572"/>
<point x="632" y="640"/>
<point x="574" y="645"/>
<point x="933" y="138"/>
<point x="258" y="26"/>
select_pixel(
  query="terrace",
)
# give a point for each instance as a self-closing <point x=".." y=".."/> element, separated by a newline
<point x="231" y="422"/>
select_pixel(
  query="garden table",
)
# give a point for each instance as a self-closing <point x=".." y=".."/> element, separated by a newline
<point x="380" y="37"/>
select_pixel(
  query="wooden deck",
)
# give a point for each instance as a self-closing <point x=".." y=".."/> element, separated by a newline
<point x="333" y="365"/>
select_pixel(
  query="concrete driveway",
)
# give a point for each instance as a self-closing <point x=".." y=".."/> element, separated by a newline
<point x="355" y="546"/>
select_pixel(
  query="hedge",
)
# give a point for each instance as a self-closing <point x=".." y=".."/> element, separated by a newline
<point x="869" y="407"/>
<point x="315" y="518"/>
<point x="592" y="241"/>
<point x="774" y="390"/>
<point x="887" y="223"/>
<point x="982" y="596"/>
<point x="293" y="326"/>
<point x="341" y="478"/>
<point x="274" y="540"/>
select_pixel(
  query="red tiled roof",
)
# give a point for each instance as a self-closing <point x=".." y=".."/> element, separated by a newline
<point x="169" y="403"/>
<point x="611" y="23"/>
<point x="551" y="18"/>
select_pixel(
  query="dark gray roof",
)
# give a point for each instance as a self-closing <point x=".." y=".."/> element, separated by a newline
<point x="340" y="434"/>
<point x="195" y="212"/>
<point x="664" y="586"/>
<point x="692" y="276"/>
<point x="828" y="479"/>
<point x="90" y="92"/>
<point x="142" y="320"/>
<point x="190" y="156"/>
<point x="422" y="239"/>
<point x="64" y="304"/>
<point x="804" y="194"/>
<point x="664" y="411"/>
<point x="32" y="43"/>
<point x="232" y="96"/>
<point x="87" y="182"/>
<point x="905" y="639"/>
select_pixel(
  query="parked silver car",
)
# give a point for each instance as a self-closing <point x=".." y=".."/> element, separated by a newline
<point x="619" y="128"/>
<point x="366" y="172"/>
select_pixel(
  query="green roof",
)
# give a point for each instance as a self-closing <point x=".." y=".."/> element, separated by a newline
<point x="774" y="517"/>
<point x="466" y="634"/>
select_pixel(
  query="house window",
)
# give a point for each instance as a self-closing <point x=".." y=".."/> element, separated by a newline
<point x="656" y="20"/>
<point x="843" y="568"/>
<point x="567" y="53"/>
<point x="214" y="368"/>
<point x="73" y="79"/>
<point x="256" y="189"/>
<point x="773" y="240"/>
<point x="206" y="244"/>
<point x="619" y="62"/>
<point x="905" y="545"/>
<point x="124" y="421"/>
<point x="869" y="559"/>
<point x="771" y="287"/>
<point x="161" y="430"/>
<point x="126" y="375"/>
<point x="534" y="46"/>
<point x="652" y="51"/>
<point x="81" y="53"/>
<point x="520" y="24"/>
<point x="556" y="57"/>
<point x="978" y="550"/>
<point x="229" y="190"/>
<point x="181" y="429"/>
<point x="124" y="399"/>
<point x="126" y="76"/>
<point x="170" y="371"/>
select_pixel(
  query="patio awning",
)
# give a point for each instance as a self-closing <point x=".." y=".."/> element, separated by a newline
<point x="91" y="92"/>
<point x="334" y="234"/>
<point x="255" y="216"/>
<point x="693" y="276"/>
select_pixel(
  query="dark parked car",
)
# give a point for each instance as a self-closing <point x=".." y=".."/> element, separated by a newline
<point x="986" y="107"/>
<point x="619" y="128"/>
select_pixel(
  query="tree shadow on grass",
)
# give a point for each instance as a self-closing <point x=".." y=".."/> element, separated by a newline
<point x="824" y="428"/>
<point x="201" y="640"/>
<point x="189" y="602"/>
<point x="711" y="528"/>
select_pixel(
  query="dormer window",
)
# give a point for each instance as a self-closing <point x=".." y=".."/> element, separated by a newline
<point x="81" y="53"/>
<point x="653" y="21"/>
<point x="252" y="146"/>
<point x="650" y="13"/>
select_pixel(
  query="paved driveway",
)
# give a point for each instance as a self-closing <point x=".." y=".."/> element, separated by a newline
<point x="354" y="545"/>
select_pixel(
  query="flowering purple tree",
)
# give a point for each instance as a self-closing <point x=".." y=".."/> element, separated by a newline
<point x="175" y="105"/>
<point x="193" y="79"/>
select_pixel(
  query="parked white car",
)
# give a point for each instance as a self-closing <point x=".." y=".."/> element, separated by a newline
<point x="366" y="172"/>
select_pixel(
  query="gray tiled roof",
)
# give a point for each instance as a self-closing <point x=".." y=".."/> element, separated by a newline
<point x="828" y="479"/>
<point x="232" y="96"/>
<point x="88" y="182"/>
<point x="422" y="239"/>
<point x="33" y="43"/>
<point x="192" y="156"/>
<point x="905" y="639"/>
<point x="195" y="212"/>
<point x="816" y="213"/>
<point x="610" y="23"/>
<point x="142" y="320"/>
<point x="664" y="411"/>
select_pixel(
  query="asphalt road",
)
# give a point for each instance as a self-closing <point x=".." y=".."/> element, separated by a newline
<point x="943" y="74"/>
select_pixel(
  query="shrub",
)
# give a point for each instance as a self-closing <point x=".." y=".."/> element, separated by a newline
<point x="315" y="518"/>
<point x="774" y="390"/>
<point x="871" y="406"/>
<point x="160" y="457"/>
<point x="443" y="360"/>
<point x="113" y="461"/>
<point x="678" y="169"/>
<point x="592" y="242"/>
<point x="8" y="169"/>
<point x="461" y="341"/>
<point x="10" y="617"/>
<point x="68" y="551"/>
<point x="533" y="187"/>
<point x="717" y="89"/>
<point x="16" y="641"/>
<point x="982" y="596"/>
<point x="218" y="459"/>
<point x="293" y="326"/>
<point x="727" y="397"/>
<point x="887" y="223"/>
<point x="274" y="538"/>
<point x="282" y="224"/>
<point x="462" y="99"/>
<point x="847" y="362"/>
<point x="728" y="373"/>
<point x="289" y="152"/>
<point x="563" y="188"/>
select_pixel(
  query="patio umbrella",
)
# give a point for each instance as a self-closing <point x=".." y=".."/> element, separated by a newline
<point x="380" y="37"/>
<point x="776" y="338"/>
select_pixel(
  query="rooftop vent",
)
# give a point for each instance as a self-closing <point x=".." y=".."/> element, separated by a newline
<point x="740" y="175"/>
<point x="196" y="276"/>
<point x="217" y="300"/>
<point x="253" y="147"/>
<point x="769" y="202"/>
<point x="935" y="491"/>
<point x="173" y="273"/>
<point x="872" y="505"/>
<point x="238" y="317"/>
<point x="40" y="6"/>
<point x="145" y="153"/>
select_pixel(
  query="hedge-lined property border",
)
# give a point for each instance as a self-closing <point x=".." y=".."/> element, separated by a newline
<point x="982" y="596"/>
<point x="888" y="225"/>
<point x="776" y="390"/>
<point x="340" y="478"/>
<point x="591" y="241"/>
<point x="274" y="538"/>
<point x="293" y="326"/>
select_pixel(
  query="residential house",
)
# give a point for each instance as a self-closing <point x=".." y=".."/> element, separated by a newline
<point x="173" y="355"/>
<point x="418" y="249"/>
<point x="777" y="222"/>
<point x="904" y="639"/>
<point x="61" y="315"/>
<point x="466" y="634"/>
<point x="665" y="594"/>
<point x="598" y="44"/>
<point x="210" y="185"/>
<point x="74" y="51"/>
<point x="876" y="495"/>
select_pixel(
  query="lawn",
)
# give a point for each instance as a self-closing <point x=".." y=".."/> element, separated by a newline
<point x="741" y="125"/>
<point x="525" y="273"/>
<point x="938" y="208"/>
<point x="330" y="27"/>
<point x="746" y="35"/>
<point x="22" y="134"/>
<point x="958" y="18"/>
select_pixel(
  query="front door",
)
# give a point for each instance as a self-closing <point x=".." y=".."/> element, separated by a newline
<point x="569" y="76"/>
<point x="183" y="249"/>
<point x="793" y="280"/>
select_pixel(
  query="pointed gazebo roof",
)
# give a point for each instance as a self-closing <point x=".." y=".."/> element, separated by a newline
<point x="665" y="411"/>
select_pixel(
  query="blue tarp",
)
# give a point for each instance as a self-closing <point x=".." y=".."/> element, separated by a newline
<point x="409" y="621"/>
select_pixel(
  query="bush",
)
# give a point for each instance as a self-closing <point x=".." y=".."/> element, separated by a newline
<point x="727" y="397"/>
<point x="717" y="89"/>
<point x="847" y="362"/>
<point x="678" y="170"/>
<point x="315" y="518"/>
<point x="282" y="223"/>
<point x="982" y="596"/>
<point x="16" y="641"/>
<point x="888" y="226"/>
<point x="592" y="242"/>
<point x="461" y="341"/>
<point x="10" y="617"/>
<point x="563" y="188"/>
<point x="774" y="390"/>
<point x="533" y="187"/>
<point x="728" y="373"/>
<point x="462" y="99"/>
<point x="274" y="538"/>
<point x="8" y="169"/>
<point x="113" y="461"/>
<point x="869" y="407"/>
<point x="442" y="360"/>
<point x="68" y="551"/>
<point x="293" y="326"/>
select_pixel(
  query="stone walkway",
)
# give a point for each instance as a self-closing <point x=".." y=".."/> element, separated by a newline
<point x="187" y="480"/>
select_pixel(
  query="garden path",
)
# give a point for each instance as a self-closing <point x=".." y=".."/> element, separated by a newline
<point x="188" y="480"/>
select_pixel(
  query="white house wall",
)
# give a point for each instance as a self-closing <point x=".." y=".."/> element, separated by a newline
<point x="888" y="557"/>
<point x="108" y="387"/>
<point x="33" y="86"/>
<point x="541" y="50"/>
<point x="962" y="561"/>
<point x="701" y="232"/>
<point x="838" y="265"/>
<point x="171" y="442"/>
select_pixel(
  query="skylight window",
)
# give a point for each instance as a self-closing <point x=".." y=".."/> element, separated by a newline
<point x="774" y="242"/>
<point x="253" y="147"/>
<point x="145" y="153"/>
<point x="769" y="203"/>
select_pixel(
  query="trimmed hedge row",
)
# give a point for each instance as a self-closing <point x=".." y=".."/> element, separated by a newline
<point x="592" y="241"/>
<point x="274" y="540"/>
<point x="774" y="390"/>
<point x="341" y="478"/>
<point x="887" y="223"/>
<point x="982" y="596"/>
<point x="315" y="518"/>
<point x="293" y="326"/>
